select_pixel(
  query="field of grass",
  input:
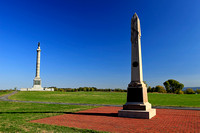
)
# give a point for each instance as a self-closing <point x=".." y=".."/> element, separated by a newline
<point x="184" y="100"/>
<point x="114" y="98"/>
<point x="15" y="117"/>
<point x="72" y="97"/>
<point x="4" y="93"/>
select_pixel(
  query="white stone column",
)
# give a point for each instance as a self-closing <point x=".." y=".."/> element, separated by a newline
<point x="38" y="61"/>
<point x="136" y="58"/>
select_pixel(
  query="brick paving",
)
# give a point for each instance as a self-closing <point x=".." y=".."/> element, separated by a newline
<point x="105" y="119"/>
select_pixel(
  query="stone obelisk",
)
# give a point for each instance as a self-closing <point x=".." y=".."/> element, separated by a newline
<point x="37" y="80"/>
<point x="137" y="105"/>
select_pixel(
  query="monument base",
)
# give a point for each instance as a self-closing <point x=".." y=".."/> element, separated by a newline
<point x="33" y="89"/>
<point x="142" y="114"/>
<point x="37" y="87"/>
<point x="137" y="110"/>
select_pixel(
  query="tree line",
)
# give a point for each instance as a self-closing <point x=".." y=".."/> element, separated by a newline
<point x="87" y="89"/>
<point x="172" y="86"/>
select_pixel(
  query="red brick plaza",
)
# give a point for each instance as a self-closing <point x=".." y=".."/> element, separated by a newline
<point x="105" y="119"/>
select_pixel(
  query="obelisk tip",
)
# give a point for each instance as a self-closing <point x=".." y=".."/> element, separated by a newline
<point x="135" y="15"/>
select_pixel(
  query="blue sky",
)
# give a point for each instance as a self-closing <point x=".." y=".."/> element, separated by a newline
<point x="87" y="42"/>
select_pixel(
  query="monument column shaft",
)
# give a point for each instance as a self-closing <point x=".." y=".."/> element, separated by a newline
<point x="136" y="57"/>
<point x="136" y="72"/>
<point x="38" y="63"/>
<point x="37" y="80"/>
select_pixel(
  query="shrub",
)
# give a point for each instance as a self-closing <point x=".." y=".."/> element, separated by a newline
<point x="179" y="92"/>
<point x="189" y="91"/>
<point x="160" y="89"/>
<point x="197" y="91"/>
<point x="62" y="90"/>
<point x="118" y="90"/>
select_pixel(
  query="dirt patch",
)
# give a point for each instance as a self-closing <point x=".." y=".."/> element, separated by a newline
<point x="105" y="119"/>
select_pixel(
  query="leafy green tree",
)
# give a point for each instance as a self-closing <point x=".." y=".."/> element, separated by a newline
<point x="149" y="89"/>
<point x="160" y="89"/>
<point x="179" y="92"/>
<point x="172" y="85"/>
<point x="94" y="88"/>
<point x="153" y="89"/>
<point x="80" y="89"/>
<point x="85" y="88"/>
<point x="189" y="91"/>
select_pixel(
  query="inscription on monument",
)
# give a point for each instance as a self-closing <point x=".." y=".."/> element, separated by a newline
<point x="134" y="95"/>
<point x="37" y="83"/>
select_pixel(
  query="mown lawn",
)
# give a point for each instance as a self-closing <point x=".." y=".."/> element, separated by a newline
<point x="72" y="97"/>
<point x="15" y="117"/>
<point x="114" y="98"/>
<point x="183" y="100"/>
<point x="4" y="93"/>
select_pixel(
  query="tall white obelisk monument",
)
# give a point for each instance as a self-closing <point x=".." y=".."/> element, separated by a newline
<point x="137" y="105"/>
<point x="37" y="80"/>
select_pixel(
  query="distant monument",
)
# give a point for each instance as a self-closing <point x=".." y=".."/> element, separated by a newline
<point x="137" y="105"/>
<point x="37" y="81"/>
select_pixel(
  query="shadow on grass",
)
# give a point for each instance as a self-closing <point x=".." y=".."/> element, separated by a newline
<point x="95" y="114"/>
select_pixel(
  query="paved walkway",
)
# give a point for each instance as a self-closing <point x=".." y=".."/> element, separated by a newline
<point x="5" y="98"/>
<point x="105" y="119"/>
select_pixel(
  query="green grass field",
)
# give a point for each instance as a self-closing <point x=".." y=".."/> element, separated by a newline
<point x="4" y="93"/>
<point x="15" y="117"/>
<point x="115" y="98"/>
